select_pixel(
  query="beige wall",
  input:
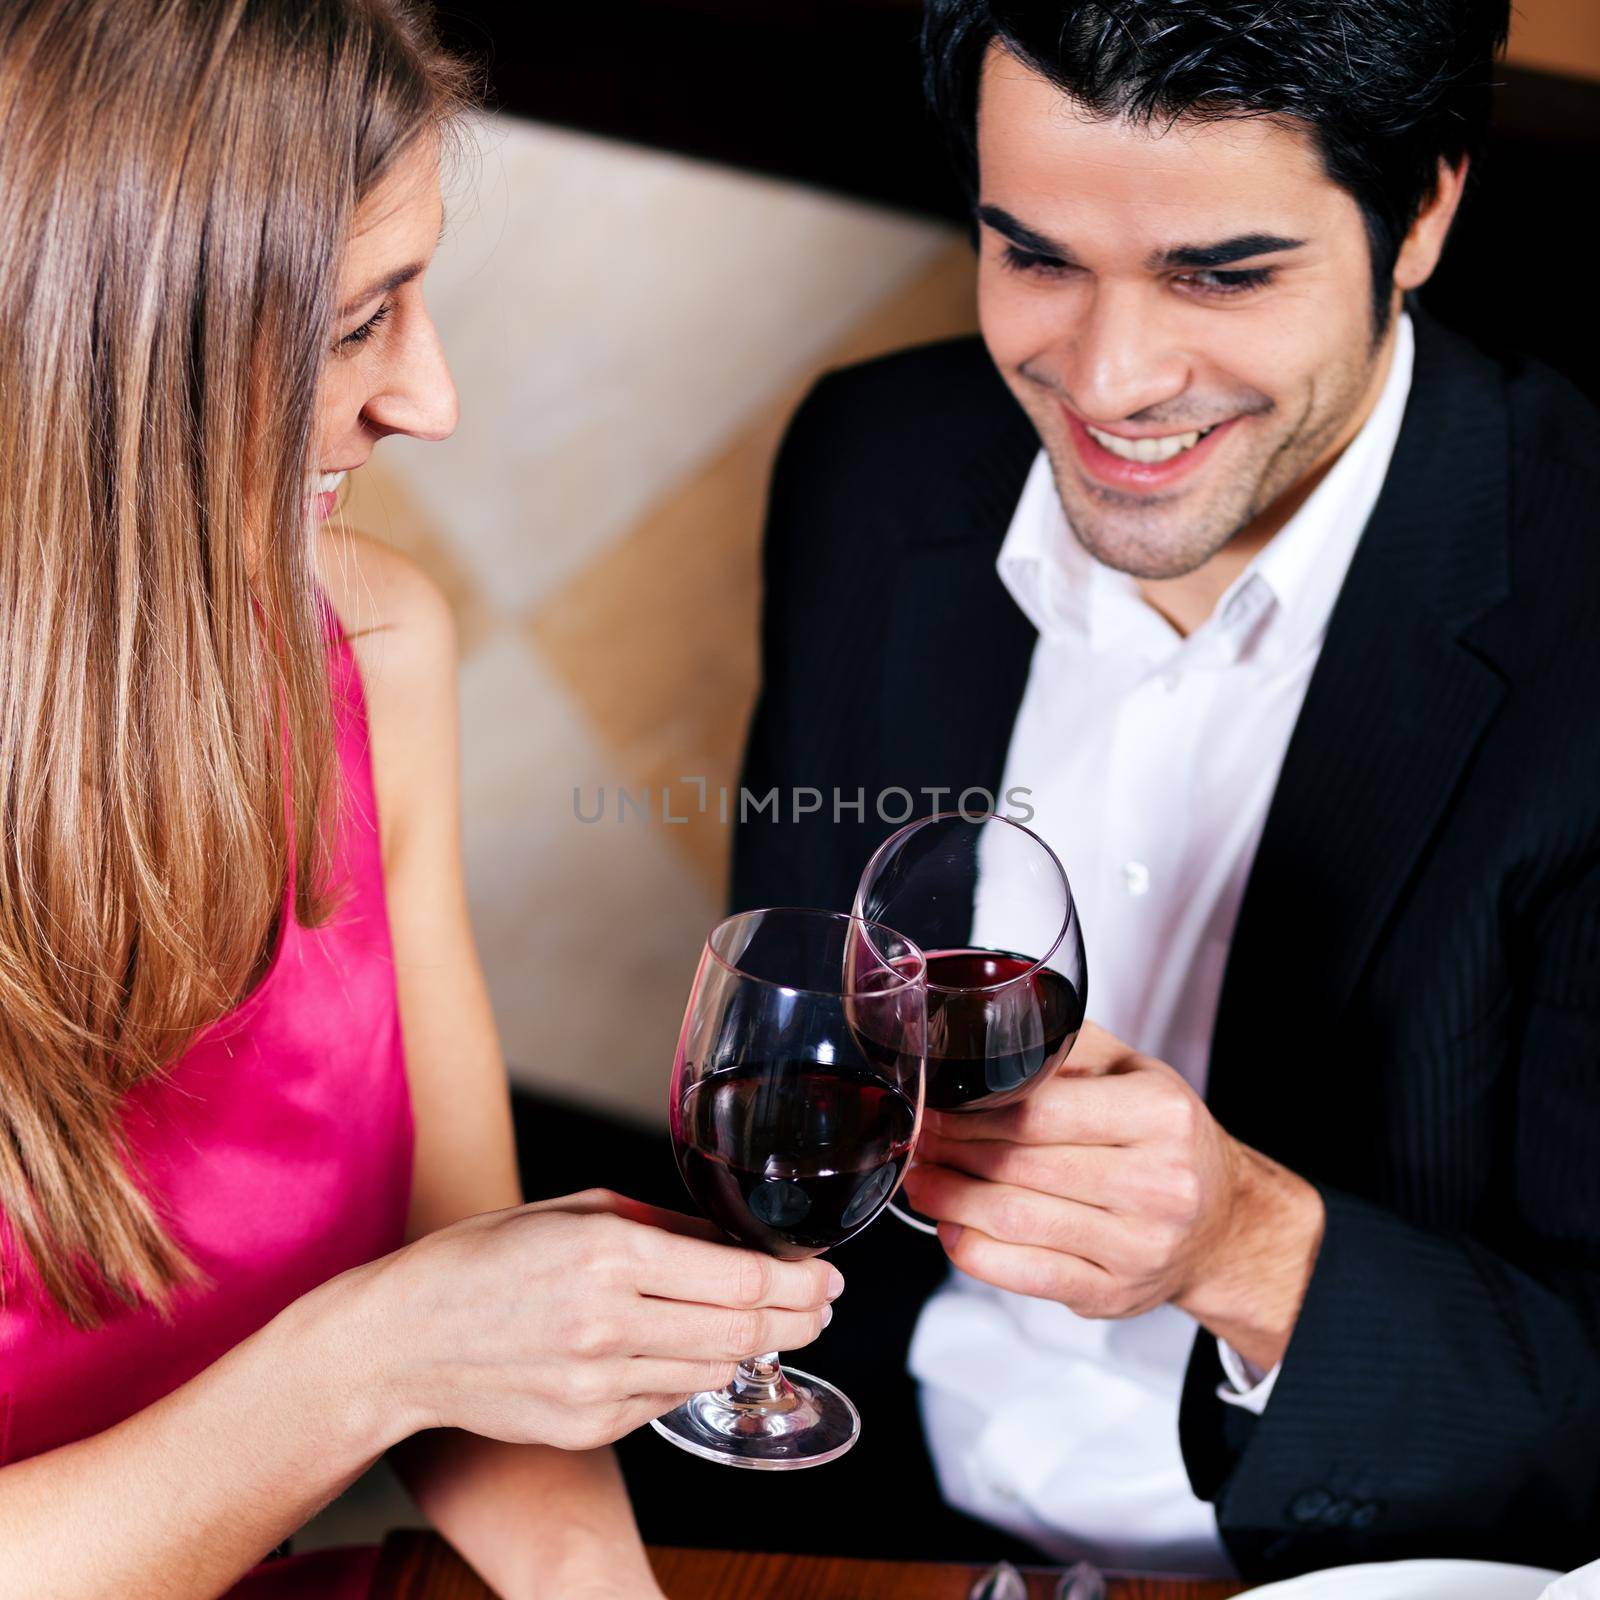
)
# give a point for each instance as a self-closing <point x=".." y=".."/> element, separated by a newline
<point x="628" y="332"/>
<point x="1557" y="36"/>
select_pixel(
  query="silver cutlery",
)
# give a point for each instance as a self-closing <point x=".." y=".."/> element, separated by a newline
<point x="1002" y="1582"/>
<point x="1081" y="1582"/>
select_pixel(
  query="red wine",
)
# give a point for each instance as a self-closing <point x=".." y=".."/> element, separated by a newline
<point x="792" y="1159"/>
<point x="987" y="1045"/>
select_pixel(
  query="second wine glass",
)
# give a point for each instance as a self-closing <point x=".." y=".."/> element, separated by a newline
<point x="988" y="902"/>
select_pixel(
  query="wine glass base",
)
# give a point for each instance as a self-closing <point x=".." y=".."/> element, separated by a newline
<point x="819" y="1426"/>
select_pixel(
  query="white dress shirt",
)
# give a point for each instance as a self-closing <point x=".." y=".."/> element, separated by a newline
<point x="1150" y="759"/>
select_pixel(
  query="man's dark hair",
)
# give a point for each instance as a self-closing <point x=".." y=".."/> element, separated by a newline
<point x="1386" y="87"/>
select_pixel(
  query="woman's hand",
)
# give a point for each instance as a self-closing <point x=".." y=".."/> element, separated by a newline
<point x="572" y="1322"/>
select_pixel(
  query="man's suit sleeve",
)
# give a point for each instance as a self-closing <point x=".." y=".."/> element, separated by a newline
<point x="1443" y="1386"/>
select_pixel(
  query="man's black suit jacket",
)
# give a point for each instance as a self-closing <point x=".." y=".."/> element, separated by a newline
<point x="1411" y="1011"/>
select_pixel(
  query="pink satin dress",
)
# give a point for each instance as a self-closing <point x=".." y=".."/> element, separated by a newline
<point x="280" y="1146"/>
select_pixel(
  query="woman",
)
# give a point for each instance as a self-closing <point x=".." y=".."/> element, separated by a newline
<point x="248" y="1244"/>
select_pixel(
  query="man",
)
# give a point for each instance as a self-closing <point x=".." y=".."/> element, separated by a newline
<point x="1283" y="604"/>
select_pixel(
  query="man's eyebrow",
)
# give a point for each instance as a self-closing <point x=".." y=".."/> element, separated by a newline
<point x="394" y="280"/>
<point x="1242" y="247"/>
<point x="1185" y="257"/>
<point x="1021" y="235"/>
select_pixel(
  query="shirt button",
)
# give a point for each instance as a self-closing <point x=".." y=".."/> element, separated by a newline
<point x="1136" y="877"/>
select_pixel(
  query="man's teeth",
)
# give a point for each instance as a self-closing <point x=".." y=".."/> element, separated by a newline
<point x="1148" y="450"/>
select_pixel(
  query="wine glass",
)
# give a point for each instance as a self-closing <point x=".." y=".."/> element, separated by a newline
<point x="989" y="903"/>
<point x="796" y="1100"/>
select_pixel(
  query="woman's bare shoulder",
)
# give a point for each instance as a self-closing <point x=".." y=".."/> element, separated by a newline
<point x="403" y="636"/>
<point x="395" y="615"/>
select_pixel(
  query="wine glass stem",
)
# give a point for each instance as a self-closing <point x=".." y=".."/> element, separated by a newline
<point x="759" y="1385"/>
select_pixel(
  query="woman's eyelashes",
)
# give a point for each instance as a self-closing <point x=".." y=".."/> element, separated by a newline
<point x="1217" y="284"/>
<point x="359" y="336"/>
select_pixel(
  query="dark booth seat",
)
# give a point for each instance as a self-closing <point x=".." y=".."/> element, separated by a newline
<point x="827" y="92"/>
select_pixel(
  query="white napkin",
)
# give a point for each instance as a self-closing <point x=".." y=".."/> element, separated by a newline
<point x="1430" y="1580"/>
<point x="1583" y="1584"/>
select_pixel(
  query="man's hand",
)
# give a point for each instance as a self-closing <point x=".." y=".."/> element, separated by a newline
<point x="1112" y="1189"/>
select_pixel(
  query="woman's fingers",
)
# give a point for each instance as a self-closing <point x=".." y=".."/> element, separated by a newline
<point x="672" y="1267"/>
<point x="595" y="1202"/>
<point x="670" y="1221"/>
<point x="649" y="1376"/>
<point x="723" y="1333"/>
<point x="688" y="1258"/>
<point x="639" y="1409"/>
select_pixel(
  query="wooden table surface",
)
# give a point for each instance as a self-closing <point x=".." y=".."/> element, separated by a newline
<point x="421" y="1566"/>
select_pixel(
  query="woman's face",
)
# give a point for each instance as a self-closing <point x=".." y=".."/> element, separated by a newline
<point x="386" y="372"/>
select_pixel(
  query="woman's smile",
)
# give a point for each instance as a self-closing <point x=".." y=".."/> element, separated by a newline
<point x="325" y="493"/>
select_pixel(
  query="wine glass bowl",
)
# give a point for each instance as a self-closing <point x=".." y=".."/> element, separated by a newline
<point x="796" y="1171"/>
<point x="989" y="903"/>
<point x="998" y="1025"/>
<point x="795" y="1103"/>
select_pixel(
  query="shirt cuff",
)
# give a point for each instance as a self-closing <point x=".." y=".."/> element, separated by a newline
<point x="1247" y="1386"/>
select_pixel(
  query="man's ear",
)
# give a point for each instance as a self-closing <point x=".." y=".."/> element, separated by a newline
<point x="1423" y="245"/>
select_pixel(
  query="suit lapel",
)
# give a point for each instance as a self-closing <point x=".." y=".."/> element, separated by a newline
<point x="1396" y="707"/>
<point x="958" y="648"/>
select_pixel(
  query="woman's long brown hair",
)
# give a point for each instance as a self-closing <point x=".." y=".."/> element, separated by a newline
<point x="177" y="180"/>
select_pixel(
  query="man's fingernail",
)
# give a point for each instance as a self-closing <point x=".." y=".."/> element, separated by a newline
<point x="827" y="1315"/>
<point x="949" y="1234"/>
<point x="835" y="1283"/>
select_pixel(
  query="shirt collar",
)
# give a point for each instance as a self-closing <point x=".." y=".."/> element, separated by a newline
<point x="1277" y="606"/>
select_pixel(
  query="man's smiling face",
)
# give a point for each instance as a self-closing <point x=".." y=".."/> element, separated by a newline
<point x="1184" y="312"/>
